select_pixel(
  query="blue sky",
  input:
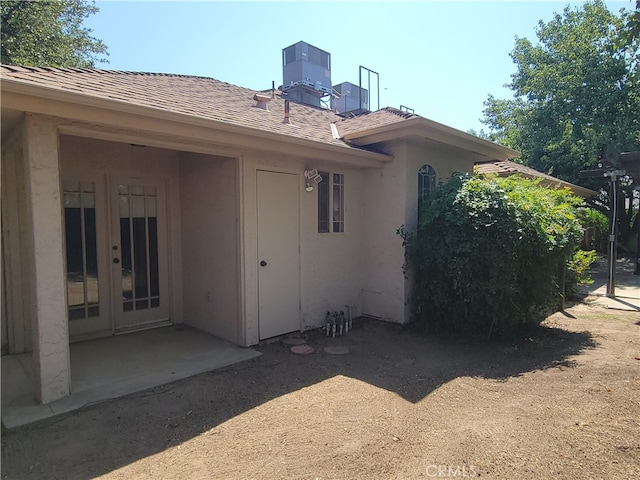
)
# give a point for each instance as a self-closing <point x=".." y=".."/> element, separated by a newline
<point x="441" y="58"/>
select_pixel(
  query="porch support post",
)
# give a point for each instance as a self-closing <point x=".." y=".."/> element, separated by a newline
<point x="48" y="294"/>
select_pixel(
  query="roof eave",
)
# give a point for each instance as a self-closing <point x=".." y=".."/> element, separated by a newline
<point x="431" y="130"/>
<point x="366" y="158"/>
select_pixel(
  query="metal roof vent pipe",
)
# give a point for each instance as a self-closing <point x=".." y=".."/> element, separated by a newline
<point x="287" y="120"/>
<point x="262" y="100"/>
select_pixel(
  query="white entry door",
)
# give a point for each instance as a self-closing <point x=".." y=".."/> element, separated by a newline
<point x="138" y="253"/>
<point x="278" y="253"/>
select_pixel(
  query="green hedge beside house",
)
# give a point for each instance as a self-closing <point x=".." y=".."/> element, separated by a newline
<point x="486" y="254"/>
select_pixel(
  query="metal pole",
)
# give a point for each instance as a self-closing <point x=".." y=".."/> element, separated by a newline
<point x="637" y="272"/>
<point x="611" y="280"/>
<point x="378" y="83"/>
<point x="360" y="93"/>
<point x="368" y="80"/>
<point x="562" y="275"/>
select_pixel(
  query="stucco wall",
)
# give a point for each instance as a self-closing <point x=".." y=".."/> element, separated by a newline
<point x="3" y="310"/>
<point x="16" y="256"/>
<point x="210" y="246"/>
<point x="391" y="201"/>
<point x="45" y="243"/>
<point x="445" y="160"/>
<point x="87" y="154"/>
<point x="330" y="263"/>
<point x="383" y="255"/>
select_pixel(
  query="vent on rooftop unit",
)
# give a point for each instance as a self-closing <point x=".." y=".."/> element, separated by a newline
<point x="306" y="73"/>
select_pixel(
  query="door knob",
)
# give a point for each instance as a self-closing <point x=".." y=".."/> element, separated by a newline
<point x="263" y="263"/>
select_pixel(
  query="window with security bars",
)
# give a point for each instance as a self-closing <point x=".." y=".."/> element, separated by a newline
<point x="331" y="203"/>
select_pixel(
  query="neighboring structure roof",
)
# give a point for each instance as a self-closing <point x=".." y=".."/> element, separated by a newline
<point x="507" y="168"/>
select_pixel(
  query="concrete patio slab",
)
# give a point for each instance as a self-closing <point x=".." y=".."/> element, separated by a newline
<point x="627" y="285"/>
<point x="116" y="366"/>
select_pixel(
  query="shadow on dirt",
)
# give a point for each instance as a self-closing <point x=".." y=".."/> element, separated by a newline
<point x="111" y="435"/>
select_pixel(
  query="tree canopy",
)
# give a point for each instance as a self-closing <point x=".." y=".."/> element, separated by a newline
<point x="633" y="25"/>
<point x="576" y="89"/>
<point x="49" y="33"/>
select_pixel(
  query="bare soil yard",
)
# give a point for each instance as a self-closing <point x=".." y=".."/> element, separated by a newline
<point x="565" y="403"/>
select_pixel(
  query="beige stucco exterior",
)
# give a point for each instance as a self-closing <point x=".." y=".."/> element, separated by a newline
<point x="210" y="221"/>
<point x="46" y="274"/>
<point x="210" y="175"/>
<point x="386" y="287"/>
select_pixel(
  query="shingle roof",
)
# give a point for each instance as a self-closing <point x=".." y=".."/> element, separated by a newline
<point x="202" y="97"/>
<point x="506" y="168"/>
<point x="369" y="120"/>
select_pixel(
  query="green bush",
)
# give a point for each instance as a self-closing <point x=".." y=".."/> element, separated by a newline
<point x="486" y="254"/>
<point x="596" y="225"/>
<point x="578" y="269"/>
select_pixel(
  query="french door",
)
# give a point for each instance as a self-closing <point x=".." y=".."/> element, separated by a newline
<point x="139" y="253"/>
<point x="116" y="254"/>
<point x="87" y="267"/>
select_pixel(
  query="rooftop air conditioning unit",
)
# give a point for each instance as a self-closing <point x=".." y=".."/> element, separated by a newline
<point x="308" y="68"/>
<point x="350" y="98"/>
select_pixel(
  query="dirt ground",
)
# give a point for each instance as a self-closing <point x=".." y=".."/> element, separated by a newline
<point x="565" y="403"/>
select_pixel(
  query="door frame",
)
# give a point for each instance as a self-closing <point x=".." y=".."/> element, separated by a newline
<point x="103" y="324"/>
<point x="104" y="187"/>
<point x="165" y="292"/>
<point x="298" y="207"/>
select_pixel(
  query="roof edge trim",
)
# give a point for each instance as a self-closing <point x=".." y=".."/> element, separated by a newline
<point x="12" y="86"/>
<point x="412" y="125"/>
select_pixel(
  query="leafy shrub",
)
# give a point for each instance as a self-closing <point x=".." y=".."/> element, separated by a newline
<point x="485" y="257"/>
<point x="596" y="225"/>
<point x="578" y="269"/>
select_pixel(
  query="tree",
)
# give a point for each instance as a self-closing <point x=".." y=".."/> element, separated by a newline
<point x="632" y="29"/>
<point x="575" y="90"/>
<point x="49" y="33"/>
<point x="481" y="134"/>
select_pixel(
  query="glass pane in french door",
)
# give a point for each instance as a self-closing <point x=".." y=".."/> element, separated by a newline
<point x="140" y="281"/>
<point x="83" y="299"/>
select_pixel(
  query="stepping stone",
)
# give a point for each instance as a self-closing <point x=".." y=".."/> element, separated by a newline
<point x="293" y="341"/>
<point x="336" y="350"/>
<point x="302" y="349"/>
